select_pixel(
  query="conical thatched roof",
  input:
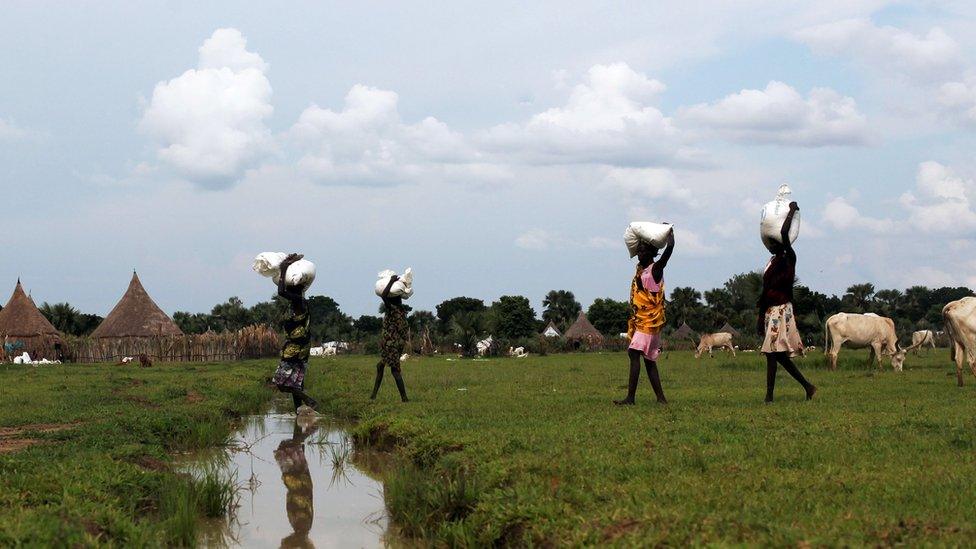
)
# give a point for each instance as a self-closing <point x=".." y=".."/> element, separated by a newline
<point x="136" y="315"/>
<point x="683" y="332"/>
<point x="20" y="317"/>
<point x="551" y="330"/>
<point x="582" y="329"/>
<point x="728" y="328"/>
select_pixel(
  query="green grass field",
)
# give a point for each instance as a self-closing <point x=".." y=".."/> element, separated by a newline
<point x="95" y="443"/>
<point x="532" y="451"/>
<point x="520" y="452"/>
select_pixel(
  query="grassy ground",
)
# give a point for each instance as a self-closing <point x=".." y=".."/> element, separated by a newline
<point x="85" y="450"/>
<point x="532" y="451"/>
<point x="520" y="452"/>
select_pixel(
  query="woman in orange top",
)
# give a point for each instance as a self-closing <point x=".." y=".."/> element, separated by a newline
<point x="647" y="317"/>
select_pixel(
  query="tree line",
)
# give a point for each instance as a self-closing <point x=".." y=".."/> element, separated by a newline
<point x="464" y="320"/>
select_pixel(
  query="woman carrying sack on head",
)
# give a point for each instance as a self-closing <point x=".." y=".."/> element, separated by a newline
<point x="777" y="323"/>
<point x="647" y="317"/>
<point x="290" y="375"/>
<point x="393" y="340"/>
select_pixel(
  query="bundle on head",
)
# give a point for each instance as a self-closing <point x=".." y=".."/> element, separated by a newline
<point x="300" y="273"/>
<point x="403" y="287"/>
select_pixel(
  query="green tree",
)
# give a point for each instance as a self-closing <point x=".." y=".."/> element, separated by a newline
<point x="684" y="302"/>
<point x="231" y="315"/>
<point x="192" y="323"/>
<point x="561" y="308"/>
<point x="447" y="309"/>
<point x="69" y="320"/>
<point x="513" y="317"/>
<point x="467" y="328"/>
<point x="609" y="315"/>
<point x="328" y="322"/>
<point x="858" y="297"/>
<point x="368" y="324"/>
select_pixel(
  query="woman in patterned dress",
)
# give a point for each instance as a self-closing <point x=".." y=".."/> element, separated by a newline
<point x="776" y="323"/>
<point x="392" y="341"/>
<point x="647" y="318"/>
<point x="290" y="375"/>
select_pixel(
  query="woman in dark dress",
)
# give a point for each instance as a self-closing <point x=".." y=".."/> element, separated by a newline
<point x="290" y="375"/>
<point x="776" y="323"/>
<point x="392" y="341"/>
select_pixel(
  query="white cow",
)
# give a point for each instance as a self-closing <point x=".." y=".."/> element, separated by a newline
<point x="921" y="338"/>
<point x="861" y="331"/>
<point x="517" y="352"/>
<point x="719" y="339"/>
<point x="484" y="345"/>
<point x="960" y="325"/>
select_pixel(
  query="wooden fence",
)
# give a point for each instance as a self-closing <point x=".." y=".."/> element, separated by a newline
<point x="251" y="342"/>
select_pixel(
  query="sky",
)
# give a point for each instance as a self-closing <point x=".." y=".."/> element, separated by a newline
<point x="496" y="148"/>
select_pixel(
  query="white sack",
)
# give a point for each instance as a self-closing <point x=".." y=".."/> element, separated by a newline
<point x="300" y="273"/>
<point x="652" y="233"/>
<point x="774" y="215"/>
<point x="401" y="288"/>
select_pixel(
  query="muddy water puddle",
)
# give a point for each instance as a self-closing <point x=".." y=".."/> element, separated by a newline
<point x="300" y="484"/>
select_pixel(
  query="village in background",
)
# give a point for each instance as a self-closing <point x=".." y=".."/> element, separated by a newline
<point x="465" y="326"/>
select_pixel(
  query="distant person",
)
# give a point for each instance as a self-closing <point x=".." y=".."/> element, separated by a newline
<point x="777" y="323"/>
<point x="647" y="317"/>
<point x="290" y="375"/>
<point x="392" y="341"/>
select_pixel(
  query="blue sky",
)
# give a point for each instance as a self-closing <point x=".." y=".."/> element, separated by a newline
<point x="495" y="148"/>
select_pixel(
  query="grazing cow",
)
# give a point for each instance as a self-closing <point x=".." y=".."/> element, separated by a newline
<point x="960" y="325"/>
<point x="860" y="331"/>
<point x="485" y="345"/>
<point x="517" y="352"/>
<point x="720" y="339"/>
<point x="922" y="338"/>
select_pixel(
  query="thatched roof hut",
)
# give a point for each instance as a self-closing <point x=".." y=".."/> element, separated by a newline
<point x="136" y="315"/>
<point x="728" y="328"/>
<point x="20" y="318"/>
<point x="23" y="325"/>
<point x="583" y="330"/>
<point x="551" y="330"/>
<point x="683" y="332"/>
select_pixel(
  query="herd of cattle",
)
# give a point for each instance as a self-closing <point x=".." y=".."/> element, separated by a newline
<point x="877" y="333"/>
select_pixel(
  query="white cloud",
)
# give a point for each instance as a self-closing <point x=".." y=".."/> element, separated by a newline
<point x="648" y="183"/>
<point x="932" y="56"/>
<point x="609" y="118"/>
<point x="542" y="239"/>
<point x="687" y="241"/>
<point x="844" y="260"/>
<point x="781" y="115"/>
<point x="941" y="202"/>
<point x="209" y="122"/>
<point x="367" y="142"/>
<point x="729" y="228"/>
<point x="932" y="277"/>
<point x="840" y="214"/>
<point x="958" y="99"/>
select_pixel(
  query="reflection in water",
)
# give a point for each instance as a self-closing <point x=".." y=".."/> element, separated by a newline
<point x="322" y="499"/>
<point x="299" y="503"/>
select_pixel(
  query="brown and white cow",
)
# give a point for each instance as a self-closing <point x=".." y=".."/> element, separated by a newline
<point x="960" y="325"/>
<point x="719" y="339"/>
<point x="922" y="338"/>
<point x="861" y="331"/>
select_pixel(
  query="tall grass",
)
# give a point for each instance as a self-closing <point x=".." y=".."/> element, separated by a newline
<point x="182" y="503"/>
<point x="423" y="500"/>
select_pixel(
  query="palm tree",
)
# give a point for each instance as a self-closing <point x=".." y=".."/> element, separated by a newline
<point x="468" y="327"/>
<point x="859" y="296"/>
<point x="683" y="303"/>
<point x="63" y="316"/>
<point x="561" y="308"/>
